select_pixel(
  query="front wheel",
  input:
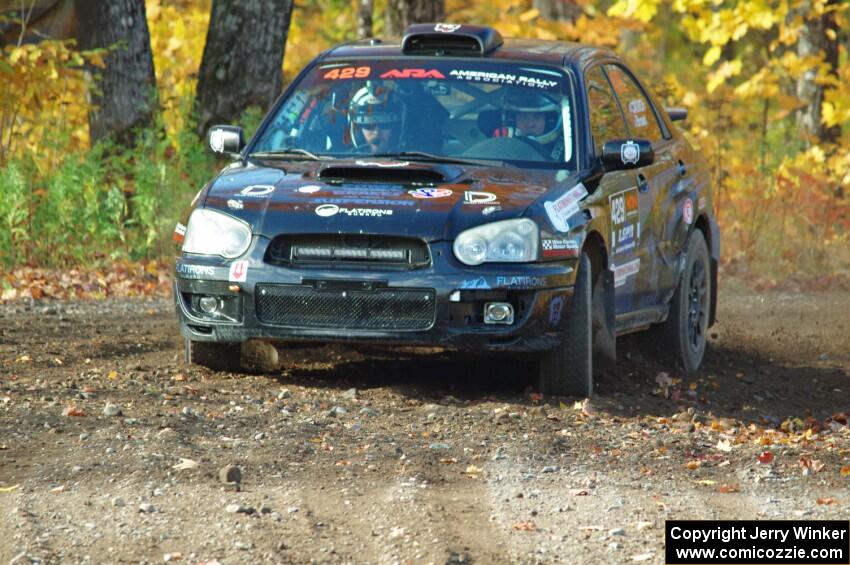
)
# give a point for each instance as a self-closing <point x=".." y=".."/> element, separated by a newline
<point x="683" y="333"/>
<point x="568" y="370"/>
<point x="215" y="356"/>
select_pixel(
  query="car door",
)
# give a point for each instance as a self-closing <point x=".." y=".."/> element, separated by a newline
<point x="654" y="184"/>
<point x="618" y="188"/>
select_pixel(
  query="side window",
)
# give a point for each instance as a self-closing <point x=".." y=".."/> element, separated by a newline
<point x="606" y="120"/>
<point x="639" y="115"/>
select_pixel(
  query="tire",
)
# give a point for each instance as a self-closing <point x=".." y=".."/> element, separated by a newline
<point x="682" y="335"/>
<point x="215" y="356"/>
<point x="568" y="370"/>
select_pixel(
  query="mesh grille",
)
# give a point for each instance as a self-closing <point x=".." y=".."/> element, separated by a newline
<point x="382" y="309"/>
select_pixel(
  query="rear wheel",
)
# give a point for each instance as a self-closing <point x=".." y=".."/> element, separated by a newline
<point x="568" y="370"/>
<point x="215" y="356"/>
<point x="682" y="336"/>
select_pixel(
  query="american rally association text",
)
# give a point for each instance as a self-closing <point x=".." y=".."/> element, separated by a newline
<point x="726" y="534"/>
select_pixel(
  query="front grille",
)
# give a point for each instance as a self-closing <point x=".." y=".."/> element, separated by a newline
<point x="351" y="250"/>
<point x="299" y="306"/>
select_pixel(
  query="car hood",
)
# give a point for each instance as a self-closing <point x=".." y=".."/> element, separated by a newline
<point x="429" y="201"/>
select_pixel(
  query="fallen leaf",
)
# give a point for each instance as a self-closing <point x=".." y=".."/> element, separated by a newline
<point x="448" y="460"/>
<point x="643" y="526"/>
<point x="536" y="397"/>
<point x="60" y="488"/>
<point x="845" y="471"/>
<point x="23" y="359"/>
<point x="579" y="492"/>
<point x="706" y="482"/>
<point x="525" y="526"/>
<point x="765" y="458"/>
<point x="692" y="465"/>
<point x="473" y="470"/>
<point x="185" y="464"/>
<point x="112" y="375"/>
<point x="73" y="411"/>
<point x="592" y="528"/>
<point x="9" y="489"/>
<point x="642" y="557"/>
<point x="724" y="445"/>
<point x="827" y="500"/>
<point x="728" y="488"/>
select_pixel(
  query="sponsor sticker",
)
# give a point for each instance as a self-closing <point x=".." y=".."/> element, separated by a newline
<point x="523" y="281"/>
<point x="688" y="211"/>
<point x="624" y="271"/>
<point x="367" y="201"/>
<point x="490" y="210"/>
<point x="446" y="28"/>
<point x="238" y="271"/>
<point x="195" y="271"/>
<point x="235" y="204"/>
<point x="561" y="209"/>
<point x="328" y="210"/>
<point x="560" y="248"/>
<point x="383" y="165"/>
<point x="257" y="190"/>
<point x="430" y="192"/>
<point x="556" y="306"/>
<point x="701" y="202"/>
<point x="474" y="197"/>
<point x="625" y="221"/>
<point x="179" y="232"/>
<point x="637" y="106"/>
<point x="309" y="189"/>
<point x="630" y="151"/>
<point x="479" y="283"/>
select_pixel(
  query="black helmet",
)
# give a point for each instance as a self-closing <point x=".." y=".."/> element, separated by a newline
<point x="523" y="100"/>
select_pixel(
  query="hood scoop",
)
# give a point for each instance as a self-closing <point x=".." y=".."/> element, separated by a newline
<point x="382" y="174"/>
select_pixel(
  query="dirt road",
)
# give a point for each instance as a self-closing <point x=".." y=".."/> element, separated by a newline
<point x="415" y="457"/>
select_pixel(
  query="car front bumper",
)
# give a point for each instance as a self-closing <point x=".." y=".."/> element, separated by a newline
<point x="441" y="305"/>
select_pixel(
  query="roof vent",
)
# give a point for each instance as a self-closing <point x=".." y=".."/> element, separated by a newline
<point x="450" y="39"/>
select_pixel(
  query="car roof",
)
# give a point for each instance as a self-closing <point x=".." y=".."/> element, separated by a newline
<point x="561" y="53"/>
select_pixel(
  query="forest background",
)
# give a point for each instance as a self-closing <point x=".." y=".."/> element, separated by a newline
<point x="103" y="105"/>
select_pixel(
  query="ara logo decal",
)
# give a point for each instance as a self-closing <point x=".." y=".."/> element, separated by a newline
<point x="473" y="197"/>
<point x="238" y="271"/>
<point x="446" y="28"/>
<point x="257" y="190"/>
<point x="688" y="211"/>
<point x="413" y="73"/>
<point x="430" y="192"/>
<point x="480" y="284"/>
<point x="630" y="153"/>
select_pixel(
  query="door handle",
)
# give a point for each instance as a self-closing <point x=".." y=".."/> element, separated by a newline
<point x="642" y="182"/>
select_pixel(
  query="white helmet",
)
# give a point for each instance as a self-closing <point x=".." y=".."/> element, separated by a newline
<point x="522" y="100"/>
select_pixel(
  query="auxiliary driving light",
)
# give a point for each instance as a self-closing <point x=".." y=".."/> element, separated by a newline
<point x="208" y="304"/>
<point x="498" y="313"/>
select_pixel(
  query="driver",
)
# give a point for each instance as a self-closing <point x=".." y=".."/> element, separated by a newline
<point x="376" y="116"/>
<point x="537" y="117"/>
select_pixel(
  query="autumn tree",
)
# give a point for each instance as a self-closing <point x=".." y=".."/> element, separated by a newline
<point x="242" y="64"/>
<point x="364" y="18"/>
<point x="818" y="38"/>
<point x="402" y="13"/>
<point x="561" y="10"/>
<point x="124" y="92"/>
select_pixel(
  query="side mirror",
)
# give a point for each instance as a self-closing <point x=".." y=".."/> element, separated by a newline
<point x="227" y="140"/>
<point x="620" y="154"/>
<point x="677" y="114"/>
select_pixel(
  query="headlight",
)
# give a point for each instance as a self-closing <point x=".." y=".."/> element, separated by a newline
<point x="508" y="241"/>
<point x="213" y="233"/>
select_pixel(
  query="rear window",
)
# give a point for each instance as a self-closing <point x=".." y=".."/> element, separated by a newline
<point x="516" y="114"/>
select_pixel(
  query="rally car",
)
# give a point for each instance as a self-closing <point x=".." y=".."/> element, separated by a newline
<point x="461" y="190"/>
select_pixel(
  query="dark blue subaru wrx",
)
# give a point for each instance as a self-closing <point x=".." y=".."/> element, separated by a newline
<point x="459" y="190"/>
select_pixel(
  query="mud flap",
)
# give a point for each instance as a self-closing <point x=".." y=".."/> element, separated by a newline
<point x="604" y="322"/>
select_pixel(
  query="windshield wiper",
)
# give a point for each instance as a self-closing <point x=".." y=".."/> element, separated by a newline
<point x="289" y="153"/>
<point x="431" y="157"/>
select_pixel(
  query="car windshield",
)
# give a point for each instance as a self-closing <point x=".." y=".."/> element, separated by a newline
<point x="460" y="110"/>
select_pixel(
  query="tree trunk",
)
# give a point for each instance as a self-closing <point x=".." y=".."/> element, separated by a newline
<point x="561" y="10"/>
<point x="242" y="64"/>
<point x="818" y="36"/>
<point x="364" y="18"/>
<point x="402" y="13"/>
<point x="124" y="96"/>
